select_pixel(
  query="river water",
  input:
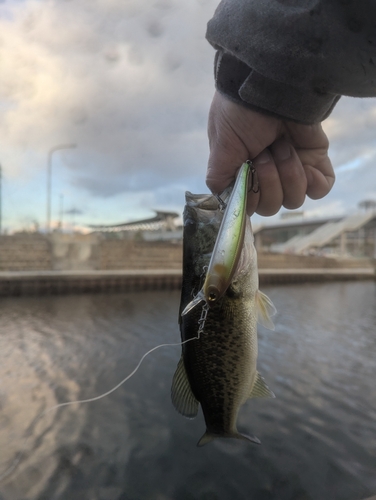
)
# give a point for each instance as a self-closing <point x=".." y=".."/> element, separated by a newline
<point x="318" y="436"/>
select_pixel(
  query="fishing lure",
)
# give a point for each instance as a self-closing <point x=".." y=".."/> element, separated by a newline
<point x="229" y="242"/>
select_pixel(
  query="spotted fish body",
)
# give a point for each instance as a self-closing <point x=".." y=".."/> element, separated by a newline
<point x="218" y="370"/>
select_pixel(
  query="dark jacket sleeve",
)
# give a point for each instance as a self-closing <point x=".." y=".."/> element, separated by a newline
<point x="294" y="58"/>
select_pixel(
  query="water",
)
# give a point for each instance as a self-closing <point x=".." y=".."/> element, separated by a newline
<point x="318" y="436"/>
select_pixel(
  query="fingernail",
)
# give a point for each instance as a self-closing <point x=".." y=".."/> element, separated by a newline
<point x="263" y="157"/>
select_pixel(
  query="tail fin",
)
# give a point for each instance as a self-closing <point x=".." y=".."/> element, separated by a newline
<point x="209" y="436"/>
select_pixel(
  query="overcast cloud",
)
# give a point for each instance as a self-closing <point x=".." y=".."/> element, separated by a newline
<point x="131" y="83"/>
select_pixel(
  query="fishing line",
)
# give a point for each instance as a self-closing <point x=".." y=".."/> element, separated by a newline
<point x="18" y="459"/>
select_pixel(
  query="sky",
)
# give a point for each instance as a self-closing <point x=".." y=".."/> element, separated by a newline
<point x="129" y="83"/>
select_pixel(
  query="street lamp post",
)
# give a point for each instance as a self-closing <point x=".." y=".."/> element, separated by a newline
<point x="1" y="200"/>
<point x="49" y="169"/>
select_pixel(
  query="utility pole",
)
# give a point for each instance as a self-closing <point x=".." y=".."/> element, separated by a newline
<point x="61" y="212"/>
<point x="49" y="168"/>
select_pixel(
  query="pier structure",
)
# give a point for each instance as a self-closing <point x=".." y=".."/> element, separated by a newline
<point x="351" y="236"/>
<point x="64" y="282"/>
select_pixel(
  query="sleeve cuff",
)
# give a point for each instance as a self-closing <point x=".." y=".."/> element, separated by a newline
<point x="245" y="86"/>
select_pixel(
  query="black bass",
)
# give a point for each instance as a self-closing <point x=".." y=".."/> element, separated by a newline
<point x="218" y="369"/>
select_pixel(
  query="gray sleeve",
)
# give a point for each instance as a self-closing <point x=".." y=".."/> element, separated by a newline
<point x="294" y="58"/>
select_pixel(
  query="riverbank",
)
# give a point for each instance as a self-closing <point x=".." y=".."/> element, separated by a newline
<point x="15" y="283"/>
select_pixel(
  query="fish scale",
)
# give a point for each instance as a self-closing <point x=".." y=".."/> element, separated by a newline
<point x="218" y="369"/>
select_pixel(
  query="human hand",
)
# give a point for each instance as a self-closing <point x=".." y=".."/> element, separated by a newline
<point x="291" y="159"/>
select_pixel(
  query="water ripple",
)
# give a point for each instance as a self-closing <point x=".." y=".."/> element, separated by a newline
<point x="318" y="435"/>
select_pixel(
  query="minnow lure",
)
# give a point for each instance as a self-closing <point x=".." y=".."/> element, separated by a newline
<point x="229" y="242"/>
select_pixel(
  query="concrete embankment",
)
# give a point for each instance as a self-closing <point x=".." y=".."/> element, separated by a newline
<point x="62" y="282"/>
<point x="275" y="276"/>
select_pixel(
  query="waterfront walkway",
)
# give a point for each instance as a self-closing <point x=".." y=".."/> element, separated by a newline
<point x="62" y="282"/>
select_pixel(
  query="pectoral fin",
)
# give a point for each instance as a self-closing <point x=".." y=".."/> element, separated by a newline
<point x="260" y="389"/>
<point x="181" y="393"/>
<point x="265" y="310"/>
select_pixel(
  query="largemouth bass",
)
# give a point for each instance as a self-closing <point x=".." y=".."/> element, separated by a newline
<point x="218" y="369"/>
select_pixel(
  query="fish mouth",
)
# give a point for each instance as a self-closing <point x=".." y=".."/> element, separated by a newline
<point x="203" y="201"/>
<point x="208" y="201"/>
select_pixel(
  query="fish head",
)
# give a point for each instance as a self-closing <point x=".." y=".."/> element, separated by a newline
<point x="202" y="219"/>
<point x="201" y="223"/>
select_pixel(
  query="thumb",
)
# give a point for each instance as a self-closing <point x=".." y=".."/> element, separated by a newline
<point x="236" y="134"/>
<point x="223" y="166"/>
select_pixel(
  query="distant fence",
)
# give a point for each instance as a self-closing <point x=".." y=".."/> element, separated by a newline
<point x="25" y="252"/>
<point x="60" y="252"/>
<point x="58" y="263"/>
<point x="123" y="254"/>
<point x="77" y="252"/>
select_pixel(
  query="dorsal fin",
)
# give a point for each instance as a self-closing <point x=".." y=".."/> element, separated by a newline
<point x="181" y="393"/>
<point x="260" y="389"/>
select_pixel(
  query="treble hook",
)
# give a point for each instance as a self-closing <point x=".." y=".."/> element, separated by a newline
<point x="255" y="187"/>
<point x="222" y="204"/>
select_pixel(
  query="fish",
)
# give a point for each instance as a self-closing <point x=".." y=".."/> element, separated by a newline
<point x="218" y="364"/>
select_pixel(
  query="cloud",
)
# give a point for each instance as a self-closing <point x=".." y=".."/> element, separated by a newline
<point x="74" y="211"/>
<point x="129" y="82"/>
<point x="351" y="129"/>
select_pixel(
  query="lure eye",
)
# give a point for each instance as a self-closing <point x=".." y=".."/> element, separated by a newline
<point x="212" y="295"/>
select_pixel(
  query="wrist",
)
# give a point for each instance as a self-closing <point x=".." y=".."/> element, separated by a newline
<point x="243" y="85"/>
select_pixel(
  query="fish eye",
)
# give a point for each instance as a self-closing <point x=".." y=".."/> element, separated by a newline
<point x="212" y="296"/>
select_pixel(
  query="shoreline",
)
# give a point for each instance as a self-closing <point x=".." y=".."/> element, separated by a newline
<point x="18" y="283"/>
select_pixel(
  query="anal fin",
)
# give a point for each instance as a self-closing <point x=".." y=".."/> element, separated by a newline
<point x="260" y="389"/>
<point x="181" y="393"/>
